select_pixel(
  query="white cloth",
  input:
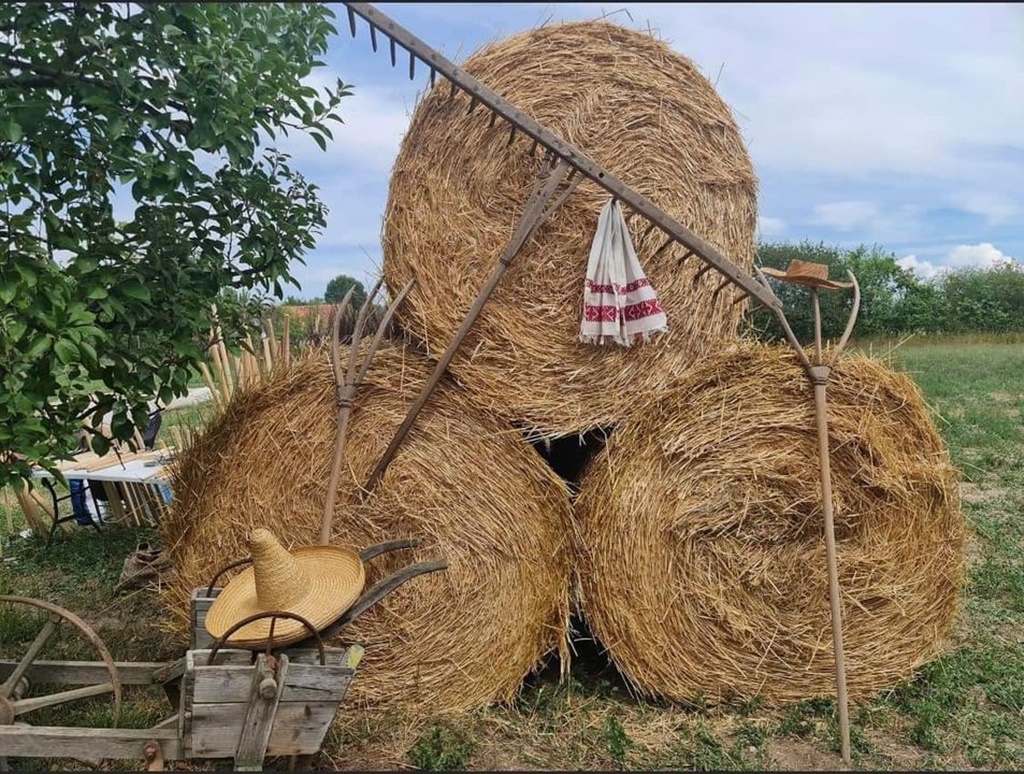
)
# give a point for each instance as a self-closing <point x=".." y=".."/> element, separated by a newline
<point x="619" y="303"/>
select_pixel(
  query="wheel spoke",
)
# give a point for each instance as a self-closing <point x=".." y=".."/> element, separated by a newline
<point x="38" y="702"/>
<point x="30" y="655"/>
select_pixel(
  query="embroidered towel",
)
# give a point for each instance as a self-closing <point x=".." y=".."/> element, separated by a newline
<point x="619" y="303"/>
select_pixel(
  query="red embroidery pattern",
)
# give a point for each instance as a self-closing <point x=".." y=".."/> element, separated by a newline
<point x="593" y="313"/>
<point x="642" y="309"/>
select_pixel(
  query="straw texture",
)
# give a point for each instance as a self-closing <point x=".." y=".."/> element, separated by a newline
<point x="466" y="485"/>
<point x="702" y="556"/>
<point x="318" y="583"/>
<point x="457" y="192"/>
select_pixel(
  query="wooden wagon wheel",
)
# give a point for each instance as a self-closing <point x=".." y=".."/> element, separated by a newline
<point x="12" y="702"/>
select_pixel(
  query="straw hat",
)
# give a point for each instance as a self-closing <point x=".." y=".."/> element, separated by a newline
<point x="813" y="275"/>
<point x="318" y="583"/>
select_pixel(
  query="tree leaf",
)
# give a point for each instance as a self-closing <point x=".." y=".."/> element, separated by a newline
<point x="134" y="289"/>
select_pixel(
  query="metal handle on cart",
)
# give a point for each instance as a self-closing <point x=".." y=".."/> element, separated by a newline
<point x="382" y="588"/>
<point x="222" y="570"/>
<point x="273" y="615"/>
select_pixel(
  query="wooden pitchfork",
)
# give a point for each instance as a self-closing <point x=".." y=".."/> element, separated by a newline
<point x="815" y="277"/>
<point x="348" y="381"/>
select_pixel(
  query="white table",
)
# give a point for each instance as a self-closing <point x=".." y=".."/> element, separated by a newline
<point x="135" y="486"/>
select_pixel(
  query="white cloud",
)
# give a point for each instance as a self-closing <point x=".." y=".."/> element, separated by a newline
<point x="982" y="256"/>
<point x="923" y="269"/>
<point x="845" y="215"/>
<point x="770" y="226"/>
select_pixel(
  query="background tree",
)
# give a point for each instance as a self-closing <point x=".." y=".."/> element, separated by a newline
<point x="338" y="287"/>
<point x="162" y="112"/>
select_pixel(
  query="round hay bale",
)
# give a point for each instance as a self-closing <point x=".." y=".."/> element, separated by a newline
<point x="702" y="564"/>
<point x="464" y="484"/>
<point x="457" y="192"/>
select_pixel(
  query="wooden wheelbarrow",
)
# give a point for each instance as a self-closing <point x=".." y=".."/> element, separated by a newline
<point x="231" y="703"/>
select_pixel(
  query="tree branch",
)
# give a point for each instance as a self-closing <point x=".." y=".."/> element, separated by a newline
<point x="59" y="76"/>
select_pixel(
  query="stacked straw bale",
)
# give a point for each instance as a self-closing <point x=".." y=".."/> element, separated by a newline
<point x="457" y="192"/>
<point x="466" y="485"/>
<point x="702" y="558"/>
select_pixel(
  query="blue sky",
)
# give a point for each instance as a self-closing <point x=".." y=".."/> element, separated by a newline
<point x="895" y="124"/>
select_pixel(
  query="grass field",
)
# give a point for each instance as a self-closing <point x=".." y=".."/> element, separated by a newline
<point x="965" y="710"/>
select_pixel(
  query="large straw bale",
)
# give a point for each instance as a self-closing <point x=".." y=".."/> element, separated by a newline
<point x="457" y="192"/>
<point x="466" y="485"/>
<point x="702" y="560"/>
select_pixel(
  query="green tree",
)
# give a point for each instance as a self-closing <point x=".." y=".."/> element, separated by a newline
<point x="988" y="300"/>
<point x="174" y="107"/>
<point x="339" y="286"/>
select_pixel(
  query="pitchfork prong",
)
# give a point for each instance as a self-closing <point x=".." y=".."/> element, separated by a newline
<point x="394" y="57"/>
<point x="433" y="77"/>
<point x="382" y="329"/>
<point x="412" y="66"/>
<point x="780" y="315"/>
<point x="493" y="121"/>
<point x="373" y="38"/>
<point x="352" y="21"/>
<point x="853" y="318"/>
<point x="339" y="379"/>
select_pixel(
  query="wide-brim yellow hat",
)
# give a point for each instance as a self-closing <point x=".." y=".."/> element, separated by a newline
<point x="318" y="583"/>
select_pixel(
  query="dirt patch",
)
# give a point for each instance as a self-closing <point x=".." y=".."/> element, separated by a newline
<point x="1004" y="397"/>
<point x="799" y="755"/>
<point x="972" y="493"/>
<point x="902" y="757"/>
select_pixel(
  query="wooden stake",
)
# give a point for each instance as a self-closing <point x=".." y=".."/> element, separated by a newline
<point x="179" y="442"/>
<point x="272" y="338"/>
<point x="218" y="401"/>
<point x="268" y="356"/>
<point x="286" y="341"/>
<point x="9" y="511"/>
<point x="225" y="358"/>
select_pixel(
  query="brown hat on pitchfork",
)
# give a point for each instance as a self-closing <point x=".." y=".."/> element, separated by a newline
<point x="814" y="275"/>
